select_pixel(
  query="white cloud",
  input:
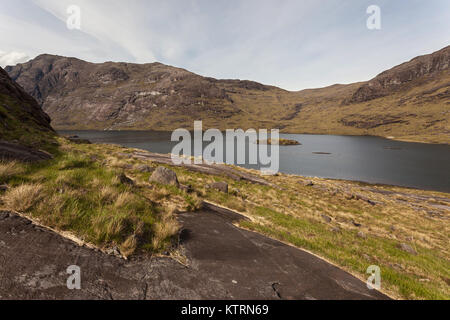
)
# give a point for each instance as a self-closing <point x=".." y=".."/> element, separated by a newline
<point x="111" y="23"/>
<point x="12" y="58"/>
<point x="293" y="44"/>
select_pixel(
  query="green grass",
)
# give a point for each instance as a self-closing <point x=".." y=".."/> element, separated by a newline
<point x="86" y="198"/>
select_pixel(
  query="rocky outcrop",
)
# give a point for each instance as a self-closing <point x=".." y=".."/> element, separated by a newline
<point x="79" y="94"/>
<point x="423" y="68"/>
<point x="18" y="110"/>
<point x="14" y="151"/>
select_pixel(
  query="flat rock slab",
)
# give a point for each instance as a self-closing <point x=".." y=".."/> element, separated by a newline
<point x="252" y="266"/>
<point x="13" y="151"/>
<point x="225" y="262"/>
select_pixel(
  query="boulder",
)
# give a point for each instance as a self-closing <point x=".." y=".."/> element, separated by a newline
<point x="219" y="186"/>
<point x="125" y="180"/>
<point x="164" y="175"/>
<point x="407" y="248"/>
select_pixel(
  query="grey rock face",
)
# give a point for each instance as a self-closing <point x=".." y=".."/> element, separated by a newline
<point x="13" y="151"/>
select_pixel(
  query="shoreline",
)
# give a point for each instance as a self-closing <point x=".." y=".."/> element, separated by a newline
<point x="393" y="138"/>
<point x="370" y="183"/>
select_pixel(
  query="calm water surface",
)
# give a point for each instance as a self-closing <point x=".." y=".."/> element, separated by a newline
<point x="368" y="159"/>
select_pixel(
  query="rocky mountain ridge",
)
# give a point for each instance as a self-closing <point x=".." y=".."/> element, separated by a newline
<point x="410" y="101"/>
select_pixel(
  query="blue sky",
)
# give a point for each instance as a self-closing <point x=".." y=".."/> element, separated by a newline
<point x="294" y="44"/>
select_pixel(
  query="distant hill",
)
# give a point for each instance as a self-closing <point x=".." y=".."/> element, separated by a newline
<point x="21" y="117"/>
<point x="410" y="101"/>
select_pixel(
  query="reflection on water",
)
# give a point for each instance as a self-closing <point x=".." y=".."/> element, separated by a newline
<point x="368" y="159"/>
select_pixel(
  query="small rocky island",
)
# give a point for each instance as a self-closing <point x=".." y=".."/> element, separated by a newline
<point x="281" y="142"/>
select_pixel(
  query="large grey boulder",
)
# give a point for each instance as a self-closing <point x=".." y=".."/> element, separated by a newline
<point x="219" y="186"/>
<point x="164" y="176"/>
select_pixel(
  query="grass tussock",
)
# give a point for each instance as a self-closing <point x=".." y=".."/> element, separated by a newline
<point x="8" y="170"/>
<point x="23" y="197"/>
<point x="164" y="230"/>
<point x="128" y="247"/>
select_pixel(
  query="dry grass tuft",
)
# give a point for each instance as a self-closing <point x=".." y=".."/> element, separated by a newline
<point x="164" y="229"/>
<point x="124" y="199"/>
<point x="117" y="163"/>
<point x="108" y="227"/>
<point x="115" y="226"/>
<point x="129" y="246"/>
<point x="23" y="197"/>
<point x="107" y="195"/>
<point x="8" y="170"/>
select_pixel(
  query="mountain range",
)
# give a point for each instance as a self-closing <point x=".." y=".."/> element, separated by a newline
<point x="409" y="102"/>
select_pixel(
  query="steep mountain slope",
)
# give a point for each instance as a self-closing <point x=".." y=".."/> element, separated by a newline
<point x="410" y="101"/>
<point x="21" y="117"/>
<point x="408" y="75"/>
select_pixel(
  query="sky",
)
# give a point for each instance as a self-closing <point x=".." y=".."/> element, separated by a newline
<point x="293" y="44"/>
